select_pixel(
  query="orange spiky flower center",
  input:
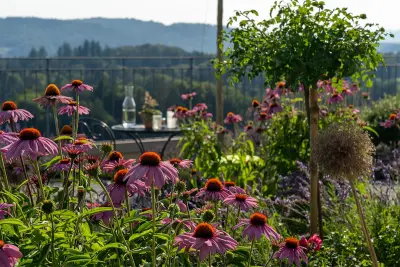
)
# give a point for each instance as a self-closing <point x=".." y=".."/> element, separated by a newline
<point x="150" y="159"/>
<point x="230" y="114"/>
<point x="79" y="142"/>
<point x="194" y="171"/>
<point x="115" y="155"/>
<point x="72" y="103"/>
<point x="52" y="90"/>
<point x="258" y="219"/>
<point x="145" y="209"/>
<point x="263" y="115"/>
<point x="76" y="83"/>
<point x="66" y="130"/>
<point x="229" y="184"/>
<point x="255" y="103"/>
<point x="241" y="197"/>
<point x="119" y="176"/>
<point x="281" y="84"/>
<point x="2" y="243"/>
<point x="175" y="161"/>
<point x="335" y="95"/>
<point x="351" y="106"/>
<point x="213" y="185"/>
<point x="392" y="116"/>
<point x="29" y="134"/>
<point x="291" y="242"/>
<point x="9" y="105"/>
<point x="204" y="230"/>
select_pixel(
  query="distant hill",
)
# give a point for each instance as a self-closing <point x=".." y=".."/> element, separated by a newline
<point x="19" y="35"/>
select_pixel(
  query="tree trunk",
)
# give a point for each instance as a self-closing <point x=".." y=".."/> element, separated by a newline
<point x="307" y="103"/>
<point x="314" y="114"/>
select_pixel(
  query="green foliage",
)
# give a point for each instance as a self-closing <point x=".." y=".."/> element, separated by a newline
<point x="301" y="41"/>
<point x="378" y="112"/>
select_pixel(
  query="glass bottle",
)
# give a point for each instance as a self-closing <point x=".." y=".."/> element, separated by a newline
<point x="129" y="108"/>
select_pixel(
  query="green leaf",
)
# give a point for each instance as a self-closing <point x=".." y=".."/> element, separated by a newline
<point x="138" y="235"/>
<point x="12" y="221"/>
<point x="51" y="162"/>
<point x="94" y="211"/>
<point x="114" y="245"/>
<point x="371" y="130"/>
<point x="162" y="236"/>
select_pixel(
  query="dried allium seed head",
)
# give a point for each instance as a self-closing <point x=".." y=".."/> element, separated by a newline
<point x="344" y="150"/>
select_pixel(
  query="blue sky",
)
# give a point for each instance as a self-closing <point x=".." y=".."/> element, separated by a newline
<point x="384" y="12"/>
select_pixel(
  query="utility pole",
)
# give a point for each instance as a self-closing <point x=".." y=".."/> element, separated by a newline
<point x="219" y="100"/>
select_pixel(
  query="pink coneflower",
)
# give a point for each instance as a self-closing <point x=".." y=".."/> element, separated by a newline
<point x="232" y="118"/>
<point x="346" y="92"/>
<point x="274" y="108"/>
<point x="64" y="165"/>
<point x="353" y="110"/>
<point x="188" y="96"/>
<point x="72" y="152"/>
<point x="365" y="95"/>
<point x="187" y="223"/>
<point x="181" y="113"/>
<point x="66" y="130"/>
<point x="231" y="186"/>
<point x="113" y="166"/>
<point x="112" y="157"/>
<point x="207" y="240"/>
<point x="354" y="87"/>
<point x="390" y="122"/>
<point x="152" y="169"/>
<point x="206" y="115"/>
<point x="92" y="158"/>
<point x="117" y="189"/>
<point x="213" y="190"/>
<point x="105" y="216"/>
<point x="52" y="96"/>
<point x="8" y="138"/>
<point x="242" y="201"/>
<point x="335" y="98"/>
<point x="9" y="254"/>
<point x="34" y="180"/>
<point x="314" y="243"/>
<point x="200" y="107"/>
<point x="248" y="127"/>
<point x="263" y="116"/>
<point x="71" y="108"/>
<point x="256" y="227"/>
<point x="182" y="206"/>
<point x="292" y="251"/>
<point x="4" y="209"/>
<point x="92" y="169"/>
<point x="186" y="164"/>
<point x="81" y="144"/>
<point x="9" y="110"/>
<point x="255" y="103"/>
<point x="30" y="144"/>
<point x="77" y="86"/>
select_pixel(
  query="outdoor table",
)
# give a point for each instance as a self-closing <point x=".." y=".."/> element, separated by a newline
<point x="138" y="132"/>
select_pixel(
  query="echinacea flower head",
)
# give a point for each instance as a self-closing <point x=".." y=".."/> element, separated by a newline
<point x="92" y="169"/>
<point x="335" y="98"/>
<point x="365" y="95"/>
<point x="292" y="251"/>
<point x="77" y="86"/>
<point x="72" y="152"/>
<point x="263" y="116"/>
<point x="9" y="254"/>
<point x="188" y="96"/>
<point x="344" y="150"/>
<point x="66" y="130"/>
<point x="231" y="186"/>
<point x="206" y="115"/>
<point x="113" y="166"/>
<point x="117" y="188"/>
<point x="200" y="107"/>
<point x="73" y="107"/>
<point x="274" y="108"/>
<point x="8" y="138"/>
<point x="106" y="147"/>
<point x="256" y="227"/>
<point x="105" y="216"/>
<point x="314" y="243"/>
<point x="82" y="144"/>
<point x="255" y="103"/>
<point x="153" y="170"/>
<point x="207" y="240"/>
<point x="242" y="201"/>
<point x="64" y="165"/>
<point x="248" y="127"/>
<point x="4" y="209"/>
<point x="213" y="191"/>
<point x="10" y="111"/>
<point x="30" y="144"/>
<point x="390" y="122"/>
<point x="52" y="96"/>
<point x="185" y="164"/>
<point x="232" y="118"/>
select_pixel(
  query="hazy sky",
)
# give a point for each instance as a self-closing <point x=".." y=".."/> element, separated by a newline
<point x="385" y="12"/>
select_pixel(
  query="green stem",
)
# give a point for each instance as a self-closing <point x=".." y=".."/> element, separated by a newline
<point x="66" y="185"/>
<point x="153" y="212"/>
<point x="115" y="217"/>
<point x="128" y="208"/>
<point x="77" y="114"/>
<point x="3" y="170"/>
<point x="73" y="185"/>
<point x="53" y="251"/>
<point x="57" y="129"/>
<point x="209" y="260"/>
<point x="251" y="252"/>
<point x="37" y="170"/>
<point x="227" y="217"/>
<point x="364" y="226"/>
<point x="187" y="209"/>
<point x="216" y="211"/>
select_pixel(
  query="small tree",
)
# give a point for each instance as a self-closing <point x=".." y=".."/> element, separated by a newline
<point x="303" y="42"/>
